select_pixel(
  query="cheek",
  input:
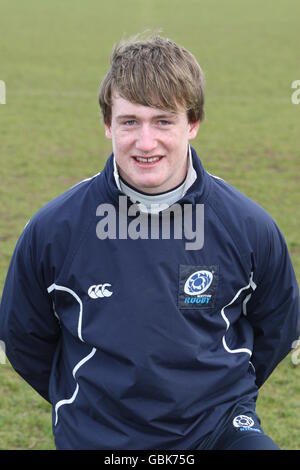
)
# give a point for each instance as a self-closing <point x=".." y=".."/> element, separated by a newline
<point x="175" y="145"/>
<point x="167" y="140"/>
<point x="177" y="137"/>
<point x="122" y="141"/>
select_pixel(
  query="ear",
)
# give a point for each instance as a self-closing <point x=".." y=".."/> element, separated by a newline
<point x="108" y="133"/>
<point x="193" y="129"/>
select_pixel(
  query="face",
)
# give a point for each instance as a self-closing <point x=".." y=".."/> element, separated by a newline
<point x="150" y="145"/>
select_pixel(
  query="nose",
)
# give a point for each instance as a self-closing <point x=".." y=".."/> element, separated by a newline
<point x="146" y="141"/>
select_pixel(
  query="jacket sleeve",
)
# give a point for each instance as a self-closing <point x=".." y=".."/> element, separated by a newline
<point x="28" y="327"/>
<point x="273" y="309"/>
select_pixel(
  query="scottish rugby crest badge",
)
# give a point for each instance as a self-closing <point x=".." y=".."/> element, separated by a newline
<point x="197" y="286"/>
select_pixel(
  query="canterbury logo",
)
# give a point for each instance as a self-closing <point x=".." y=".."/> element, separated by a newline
<point x="99" y="290"/>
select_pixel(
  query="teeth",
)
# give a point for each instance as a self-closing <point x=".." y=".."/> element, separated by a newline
<point x="147" y="160"/>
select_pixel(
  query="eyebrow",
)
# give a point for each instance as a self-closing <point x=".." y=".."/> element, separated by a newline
<point x="121" y="117"/>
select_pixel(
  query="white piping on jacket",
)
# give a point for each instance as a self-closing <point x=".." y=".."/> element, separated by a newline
<point x="253" y="286"/>
<point x="65" y="402"/>
<point x="72" y="399"/>
<point x="82" y="361"/>
<point x="70" y="291"/>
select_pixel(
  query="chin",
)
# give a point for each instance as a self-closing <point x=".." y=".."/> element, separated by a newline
<point x="150" y="183"/>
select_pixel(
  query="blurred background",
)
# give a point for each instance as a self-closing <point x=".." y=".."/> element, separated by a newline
<point x="53" y="56"/>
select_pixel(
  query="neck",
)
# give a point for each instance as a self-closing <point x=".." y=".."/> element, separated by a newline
<point x="146" y="193"/>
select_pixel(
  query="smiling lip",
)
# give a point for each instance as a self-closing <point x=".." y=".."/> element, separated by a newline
<point x="147" y="162"/>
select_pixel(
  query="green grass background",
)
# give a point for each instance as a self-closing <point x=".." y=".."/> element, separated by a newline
<point x="53" y="56"/>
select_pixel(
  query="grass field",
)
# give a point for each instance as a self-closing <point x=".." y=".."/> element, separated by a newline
<point x="53" y="55"/>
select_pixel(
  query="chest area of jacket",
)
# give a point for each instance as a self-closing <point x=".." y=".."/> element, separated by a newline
<point x="119" y="286"/>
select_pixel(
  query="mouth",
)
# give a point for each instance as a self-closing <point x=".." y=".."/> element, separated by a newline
<point x="146" y="162"/>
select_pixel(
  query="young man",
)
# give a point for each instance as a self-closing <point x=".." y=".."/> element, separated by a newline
<point x="138" y="338"/>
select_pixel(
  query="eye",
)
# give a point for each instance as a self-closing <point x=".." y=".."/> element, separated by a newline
<point x="130" y="122"/>
<point x="163" y="122"/>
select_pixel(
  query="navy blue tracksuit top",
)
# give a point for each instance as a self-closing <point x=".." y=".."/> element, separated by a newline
<point x="143" y="344"/>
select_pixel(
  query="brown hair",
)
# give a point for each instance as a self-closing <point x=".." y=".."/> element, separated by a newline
<point x="154" y="72"/>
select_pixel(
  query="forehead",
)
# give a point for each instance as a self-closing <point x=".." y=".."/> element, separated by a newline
<point x="121" y="107"/>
